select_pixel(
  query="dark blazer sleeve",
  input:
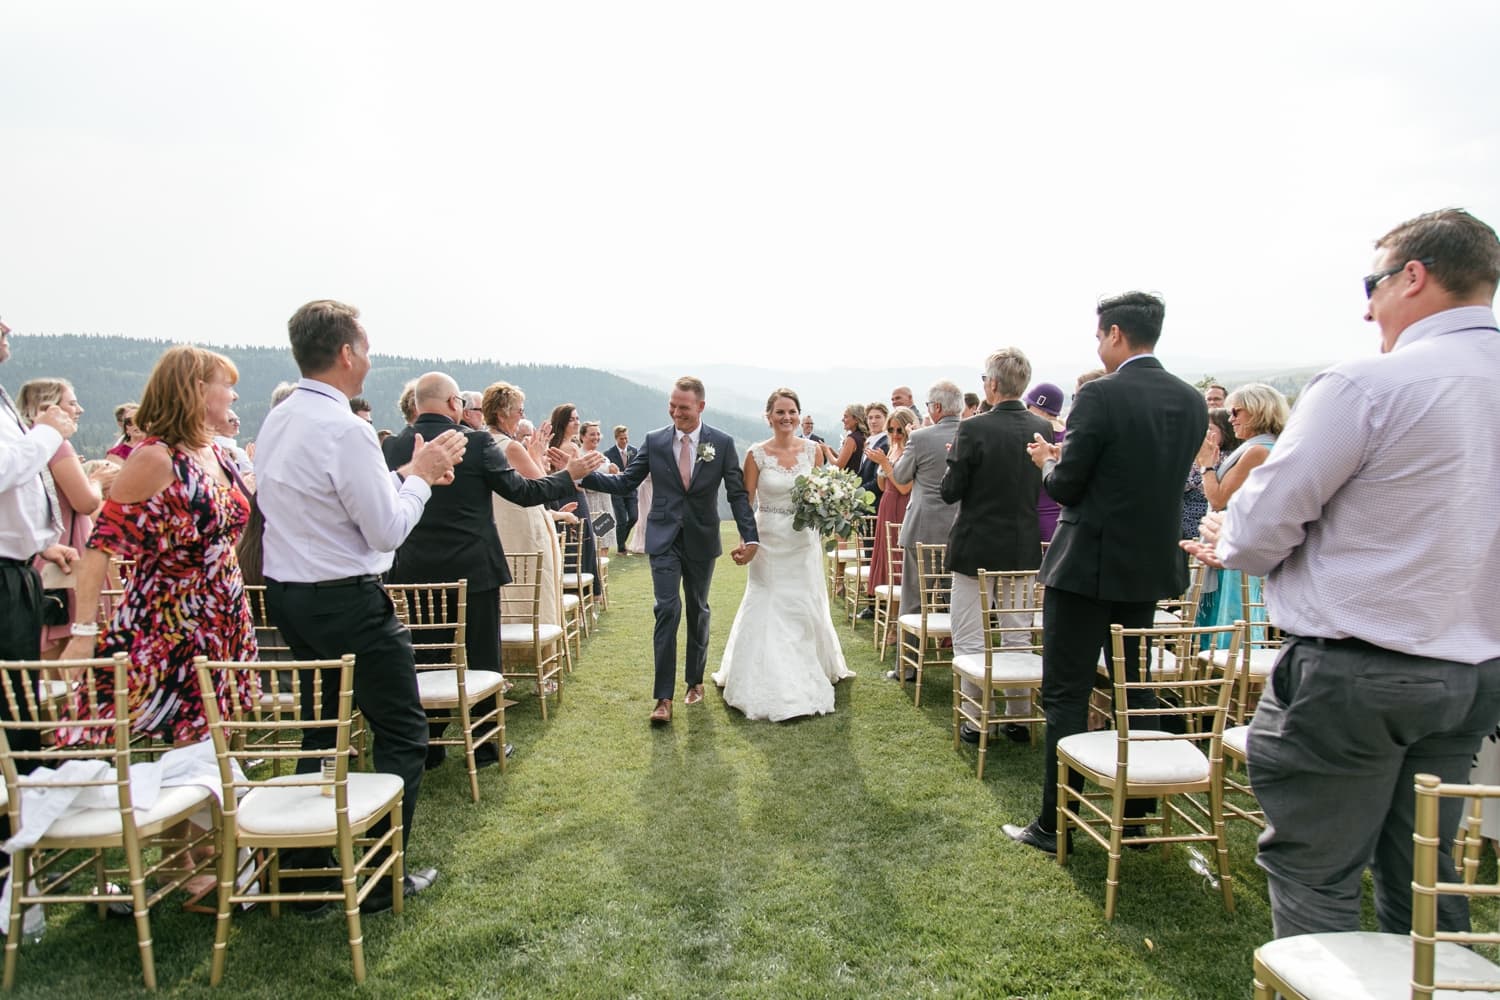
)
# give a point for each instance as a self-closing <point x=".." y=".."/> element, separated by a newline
<point x="1088" y="431"/>
<point x="397" y="449"/>
<point x="963" y="459"/>
<point x="625" y="482"/>
<point x="504" y="480"/>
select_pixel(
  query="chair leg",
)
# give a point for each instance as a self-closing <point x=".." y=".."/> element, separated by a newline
<point x="224" y="910"/>
<point x="1060" y="822"/>
<point x="916" y="699"/>
<point x="20" y="866"/>
<point x="1221" y="845"/>
<point x="1116" y="831"/>
<point x="142" y="916"/>
<point x="351" y="907"/>
<point x="467" y="730"/>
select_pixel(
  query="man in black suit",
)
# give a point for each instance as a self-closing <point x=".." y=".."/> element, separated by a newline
<point x="456" y="537"/>
<point x="807" y="430"/>
<point x="1131" y="437"/>
<point x="627" y="505"/>
<point x="994" y="482"/>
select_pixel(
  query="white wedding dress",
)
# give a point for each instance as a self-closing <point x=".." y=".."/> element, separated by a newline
<point x="783" y="656"/>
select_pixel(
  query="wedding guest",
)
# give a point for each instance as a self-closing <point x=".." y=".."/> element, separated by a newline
<point x="1214" y="395"/>
<point x="901" y="396"/>
<point x="876" y="415"/>
<point x="282" y="393"/>
<point x="563" y="443"/>
<point x="893" y="499"/>
<point x="971" y="406"/>
<point x="1086" y="378"/>
<point x="1257" y="413"/>
<point x="928" y="517"/>
<point x="1131" y="435"/>
<point x="473" y="410"/>
<point x="28" y="527"/>
<point x="526" y="529"/>
<point x="590" y="435"/>
<point x="1391" y="665"/>
<point x="807" y="431"/>
<point x="856" y="430"/>
<point x="334" y="515"/>
<point x="360" y="407"/>
<point x="455" y="538"/>
<point x="130" y="434"/>
<point x="1046" y="400"/>
<point x="407" y="402"/>
<point x="994" y="485"/>
<point x="627" y="505"/>
<point x="225" y="433"/>
<point x="79" y="497"/>
<point x="1194" y="501"/>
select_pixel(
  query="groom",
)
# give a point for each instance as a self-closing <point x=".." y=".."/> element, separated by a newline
<point x="686" y="462"/>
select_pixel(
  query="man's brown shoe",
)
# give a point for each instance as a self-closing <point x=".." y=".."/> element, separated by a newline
<point x="662" y="712"/>
<point x="694" y="695"/>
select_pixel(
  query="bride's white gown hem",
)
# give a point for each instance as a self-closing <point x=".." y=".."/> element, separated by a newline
<point x="783" y="655"/>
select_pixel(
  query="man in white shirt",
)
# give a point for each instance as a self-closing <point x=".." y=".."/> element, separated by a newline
<point x="334" y="516"/>
<point x="28" y="524"/>
<point x="1391" y="665"/>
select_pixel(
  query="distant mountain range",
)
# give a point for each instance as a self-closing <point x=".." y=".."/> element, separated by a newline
<point x="107" y="370"/>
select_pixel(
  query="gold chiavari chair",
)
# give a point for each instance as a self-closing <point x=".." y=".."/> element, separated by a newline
<point x="1009" y="604"/>
<point x="1258" y="654"/>
<point x="888" y="591"/>
<point x="574" y="581"/>
<point x="857" y="573"/>
<point x="924" y="631"/>
<point x="528" y="648"/>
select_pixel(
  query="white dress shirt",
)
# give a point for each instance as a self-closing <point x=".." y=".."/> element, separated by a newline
<point x="332" y="508"/>
<point x="25" y="526"/>
<point x="1377" y="516"/>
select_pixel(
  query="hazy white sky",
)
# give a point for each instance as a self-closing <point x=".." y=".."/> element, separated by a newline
<point x="803" y="184"/>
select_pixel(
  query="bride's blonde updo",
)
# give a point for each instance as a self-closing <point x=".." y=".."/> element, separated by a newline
<point x="783" y="391"/>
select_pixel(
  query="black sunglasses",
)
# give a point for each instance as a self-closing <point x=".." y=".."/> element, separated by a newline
<point x="1372" y="281"/>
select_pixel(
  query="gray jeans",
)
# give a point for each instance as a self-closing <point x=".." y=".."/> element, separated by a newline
<point x="968" y="631"/>
<point x="1336" y="743"/>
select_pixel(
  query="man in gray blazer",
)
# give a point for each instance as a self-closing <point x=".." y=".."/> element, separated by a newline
<point x="928" y="518"/>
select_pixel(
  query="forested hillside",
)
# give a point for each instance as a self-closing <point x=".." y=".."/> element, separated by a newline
<point x="109" y="370"/>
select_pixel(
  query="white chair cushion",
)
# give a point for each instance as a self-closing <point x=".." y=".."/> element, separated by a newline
<point x="1163" y="668"/>
<point x="1010" y="668"/>
<point x="54" y="690"/>
<point x="1236" y="738"/>
<point x="572" y="579"/>
<point x="938" y="624"/>
<point x="863" y="572"/>
<point x="87" y="823"/>
<point x="602" y="562"/>
<point x="440" y="687"/>
<point x="1262" y="659"/>
<point x="1163" y="617"/>
<point x="1155" y="757"/>
<point x="301" y="810"/>
<point x="520" y="635"/>
<point x="1356" y="964"/>
<point x="886" y="590"/>
<point x="569" y="601"/>
<point x="844" y="555"/>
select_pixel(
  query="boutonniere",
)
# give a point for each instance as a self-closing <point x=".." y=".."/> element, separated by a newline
<point x="706" y="452"/>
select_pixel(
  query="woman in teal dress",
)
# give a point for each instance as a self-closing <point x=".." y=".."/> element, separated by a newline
<point x="1258" y="413"/>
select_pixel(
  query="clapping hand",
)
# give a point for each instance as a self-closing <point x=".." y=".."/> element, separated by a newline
<point x="1208" y="454"/>
<point x="879" y="457"/>
<point x="1205" y="548"/>
<point x="433" y="461"/>
<point x="1042" y="451"/>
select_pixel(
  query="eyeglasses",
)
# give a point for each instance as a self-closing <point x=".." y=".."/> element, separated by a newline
<point x="463" y="404"/>
<point x="473" y="409"/>
<point x="1372" y="281"/>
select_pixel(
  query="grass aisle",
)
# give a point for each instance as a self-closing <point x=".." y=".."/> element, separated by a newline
<point x="852" y="855"/>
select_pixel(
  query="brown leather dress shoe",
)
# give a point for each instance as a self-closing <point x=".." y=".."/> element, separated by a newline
<point x="662" y="712"/>
<point x="694" y="694"/>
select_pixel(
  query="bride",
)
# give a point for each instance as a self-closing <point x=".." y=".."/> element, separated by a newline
<point x="783" y="656"/>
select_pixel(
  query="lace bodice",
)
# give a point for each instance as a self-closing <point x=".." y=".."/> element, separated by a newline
<point x="773" y="491"/>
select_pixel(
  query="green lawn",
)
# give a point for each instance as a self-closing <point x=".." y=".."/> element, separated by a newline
<point x="850" y="855"/>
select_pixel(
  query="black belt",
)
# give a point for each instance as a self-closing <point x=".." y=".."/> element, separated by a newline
<point x="18" y="563"/>
<point x="343" y="581"/>
<point x="1348" y="643"/>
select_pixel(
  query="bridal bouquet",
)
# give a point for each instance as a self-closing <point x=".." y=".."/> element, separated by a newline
<point x="830" y="501"/>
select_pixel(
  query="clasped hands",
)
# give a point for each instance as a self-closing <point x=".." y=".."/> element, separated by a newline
<point x="743" y="554"/>
<point x="433" y="461"/>
<point x="1042" y="451"/>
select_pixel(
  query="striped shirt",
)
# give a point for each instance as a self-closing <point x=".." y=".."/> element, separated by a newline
<point x="1377" y="516"/>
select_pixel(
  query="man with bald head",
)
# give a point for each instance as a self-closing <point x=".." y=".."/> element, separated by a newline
<point x="456" y="537"/>
<point x="901" y="396"/>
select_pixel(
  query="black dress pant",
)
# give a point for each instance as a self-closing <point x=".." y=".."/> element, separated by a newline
<point x="1075" y="628"/>
<point x="20" y="639"/>
<point x="324" y="623"/>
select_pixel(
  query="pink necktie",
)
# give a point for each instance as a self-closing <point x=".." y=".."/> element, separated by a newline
<point x="685" y="461"/>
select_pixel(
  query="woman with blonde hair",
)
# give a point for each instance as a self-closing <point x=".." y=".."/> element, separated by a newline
<point x="177" y="507"/>
<point x="525" y="529"/>
<point x="79" y="496"/>
<point x="1257" y="414"/>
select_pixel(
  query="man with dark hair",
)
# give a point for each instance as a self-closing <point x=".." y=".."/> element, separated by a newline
<point x="626" y="505"/>
<point x="1391" y="665"/>
<point x="334" y="515"/>
<point x="971" y="406"/>
<point x="360" y="407"/>
<point x="1131" y="437"/>
<point x="1214" y="395"/>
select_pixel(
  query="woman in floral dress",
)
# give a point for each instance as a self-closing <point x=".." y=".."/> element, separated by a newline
<point x="177" y="508"/>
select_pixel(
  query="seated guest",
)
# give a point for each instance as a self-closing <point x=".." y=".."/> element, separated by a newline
<point x="1046" y="400"/>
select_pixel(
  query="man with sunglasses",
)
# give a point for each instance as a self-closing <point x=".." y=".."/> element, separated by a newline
<point x="1391" y="665"/>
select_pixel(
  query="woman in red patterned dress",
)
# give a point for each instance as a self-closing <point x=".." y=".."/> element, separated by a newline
<point x="177" y="508"/>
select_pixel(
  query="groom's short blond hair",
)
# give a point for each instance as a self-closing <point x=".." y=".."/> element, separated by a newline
<point x="689" y="384"/>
